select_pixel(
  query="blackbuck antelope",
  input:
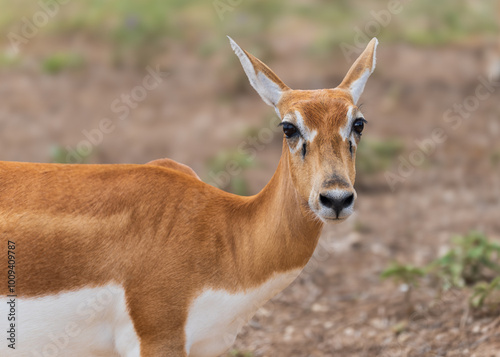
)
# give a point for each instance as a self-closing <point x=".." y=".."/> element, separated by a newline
<point x="147" y="260"/>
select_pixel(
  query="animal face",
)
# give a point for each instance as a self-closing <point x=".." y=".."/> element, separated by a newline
<point x="321" y="131"/>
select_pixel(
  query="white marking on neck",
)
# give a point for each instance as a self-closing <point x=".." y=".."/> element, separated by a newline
<point x="216" y="316"/>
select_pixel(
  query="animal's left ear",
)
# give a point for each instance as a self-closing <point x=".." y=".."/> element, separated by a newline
<point x="262" y="79"/>
<point x="355" y="80"/>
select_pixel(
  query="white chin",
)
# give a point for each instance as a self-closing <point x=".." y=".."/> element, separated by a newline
<point x="334" y="220"/>
<point x="326" y="217"/>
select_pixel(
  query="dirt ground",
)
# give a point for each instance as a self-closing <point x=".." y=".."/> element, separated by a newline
<point x="338" y="306"/>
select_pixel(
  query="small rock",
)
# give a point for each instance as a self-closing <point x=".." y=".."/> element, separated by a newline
<point x="319" y="308"/>
<point x="349" y="331"/>
<point x="328" y="324"/>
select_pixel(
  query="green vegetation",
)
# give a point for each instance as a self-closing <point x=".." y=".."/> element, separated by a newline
<point x="404" y="274"/>
<point x="58" y="62"/>
<point x="495" y="158"/>
<point x="8" y="60"/>
<point x="448" y="23"/>
<point x="473" y="261"/>
<point x="473" y="258"/>
<point x="238" y="353"/>
<point x="229" y="167"/>
<point x="373" y="156"/>
<point x="60" y="155"/>
<point x="361" y="227"/>
<point x="483" y="291"/>
<point x="139" y="29"/>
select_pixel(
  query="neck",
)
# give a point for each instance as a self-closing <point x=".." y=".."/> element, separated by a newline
<point x="283" y="232"/>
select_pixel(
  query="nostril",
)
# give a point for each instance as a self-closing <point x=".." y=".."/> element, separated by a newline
<point x="337" y="201"/>
<point x="326" y="201"/>
<point x="348" y="201"/>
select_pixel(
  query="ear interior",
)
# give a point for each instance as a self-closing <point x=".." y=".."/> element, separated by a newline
<point x="262" y="79"/>
<point x="355" y="80"/>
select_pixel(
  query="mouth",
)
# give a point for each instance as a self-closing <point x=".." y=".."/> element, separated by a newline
<point x="327" y="218"/>
<point x="334" y="219"/>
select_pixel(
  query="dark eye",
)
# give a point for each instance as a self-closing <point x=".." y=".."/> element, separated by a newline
<point x="290" y="130"/>
<point x="359" y="125"/>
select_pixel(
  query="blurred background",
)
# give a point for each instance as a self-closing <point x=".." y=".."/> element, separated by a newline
<point x="415" y="272"/>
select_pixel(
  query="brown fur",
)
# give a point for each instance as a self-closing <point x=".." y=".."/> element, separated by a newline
<point x="169" y="163"/>
<point x="160" y="232"/>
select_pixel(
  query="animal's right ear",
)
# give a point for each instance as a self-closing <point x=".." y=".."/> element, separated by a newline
<point x="355" y="80"/>
<point x="264" y="81"/>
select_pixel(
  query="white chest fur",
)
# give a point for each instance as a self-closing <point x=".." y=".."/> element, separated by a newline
<point x="216" y="316"/>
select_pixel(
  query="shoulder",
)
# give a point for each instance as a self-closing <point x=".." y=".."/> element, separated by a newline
<point x="171" y="164"/>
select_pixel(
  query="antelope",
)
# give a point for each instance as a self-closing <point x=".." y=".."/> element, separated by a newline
<point x="148" y="260"/>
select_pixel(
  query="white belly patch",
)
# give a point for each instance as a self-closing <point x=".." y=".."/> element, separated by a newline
<point x="89" y="322"/>
<point x="216" y="316"/>
<point x="94" y="322"/>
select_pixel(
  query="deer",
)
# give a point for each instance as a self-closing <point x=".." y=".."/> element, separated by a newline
<point x="148" y="260"/>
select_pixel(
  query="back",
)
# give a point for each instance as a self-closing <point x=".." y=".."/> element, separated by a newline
<point x="59" y="211"/>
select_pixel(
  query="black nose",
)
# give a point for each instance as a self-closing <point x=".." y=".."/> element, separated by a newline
<point x="337" y="203"/>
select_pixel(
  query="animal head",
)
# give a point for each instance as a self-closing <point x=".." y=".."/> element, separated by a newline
<point x="322" y="129"/>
